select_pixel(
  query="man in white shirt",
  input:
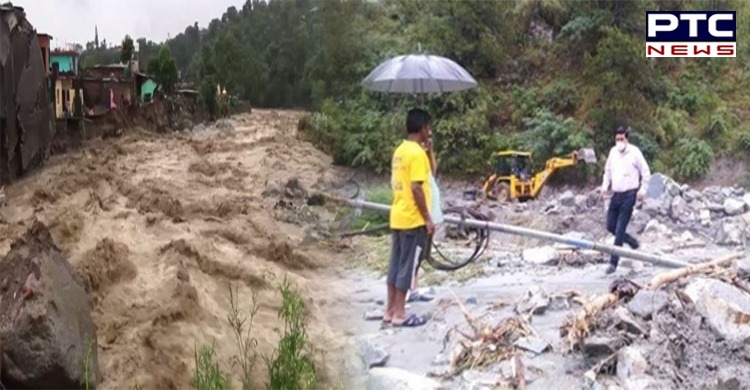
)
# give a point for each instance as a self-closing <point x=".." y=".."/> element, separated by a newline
<point x="627" y="174"/>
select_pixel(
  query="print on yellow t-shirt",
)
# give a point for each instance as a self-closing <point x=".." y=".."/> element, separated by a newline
<point x="410" y="164"/>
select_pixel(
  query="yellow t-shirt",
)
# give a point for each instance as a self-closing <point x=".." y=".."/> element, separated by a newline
<point x="410" y="164"/>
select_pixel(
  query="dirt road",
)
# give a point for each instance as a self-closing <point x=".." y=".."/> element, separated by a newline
<point x="159" y="225"/>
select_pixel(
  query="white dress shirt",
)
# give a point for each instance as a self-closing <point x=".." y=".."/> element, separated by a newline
<point x="626" y="170"/>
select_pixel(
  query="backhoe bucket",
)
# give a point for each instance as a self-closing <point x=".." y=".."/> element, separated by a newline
<point x="588" y="155"/>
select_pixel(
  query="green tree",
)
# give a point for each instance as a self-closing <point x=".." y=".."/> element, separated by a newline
<point x="128" y="48"/>
<point x="164" y="68"/>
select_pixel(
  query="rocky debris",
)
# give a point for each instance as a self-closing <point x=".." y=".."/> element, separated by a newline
<point x="630" y="364"/>
<point x="372" y="353"/>
<point x="697" y="340"/>
<point x="734" y="206"/>
<point x="388" y="378"/>
<point x="49" y="338"/>
<point x="646" y="303"/>
<point x="726" y="308"/>
<point x="535" y="301"/>
<point x="542" y="255"/>
<point x="532" y="344"/>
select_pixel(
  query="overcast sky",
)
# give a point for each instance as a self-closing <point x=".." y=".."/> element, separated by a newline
<point x="73" y="21"/>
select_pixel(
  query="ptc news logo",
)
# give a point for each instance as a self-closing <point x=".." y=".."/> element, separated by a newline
<point x="691" y="34"/>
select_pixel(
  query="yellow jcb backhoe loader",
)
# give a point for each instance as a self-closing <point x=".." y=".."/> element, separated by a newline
<point x="512" y="179"/>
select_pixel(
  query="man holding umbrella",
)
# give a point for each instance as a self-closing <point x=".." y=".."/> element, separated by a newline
<point x="410" y="219"/>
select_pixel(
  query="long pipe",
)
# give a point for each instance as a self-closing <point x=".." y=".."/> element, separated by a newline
<point x="493" y="226"/>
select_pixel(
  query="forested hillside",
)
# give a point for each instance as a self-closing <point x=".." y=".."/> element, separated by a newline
<point x="554" y="75"/>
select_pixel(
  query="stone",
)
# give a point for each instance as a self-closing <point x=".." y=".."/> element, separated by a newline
<point x="532" y="344"/>
<point x="472" y="300"/>
<point x="728" y="378"/>
<point x="389" y="378"/>
<point x="746" y="199"/>
<point x="657" y="228"/>
<point x="691" y="195"/>
<point x="630" y="363"/>
<point x="627" y="322"/>
<point x="442" y="359"/>
<point x="372" y="353"/>
<point x="567" y="199"/>
<point x="373" y="315"/>
<point x="705" y="217"/>
<point x="730" y="232"/>
<point x="721" y="304"/>
<point x="656" y="186"/>
<point x="580" y="202"/>
<point x="45" y="318"/>
<point x="646" y="302"/>
<point x="535" y="299"/>
<point x="601" y="346"/>
<point x="541" y="255"/>
<point x="475" y="380"/>
<point x="734" y="206"/>
<point x="679" y="210"/>
<point x="742" y="267"/>
<point x="651" y="207"/>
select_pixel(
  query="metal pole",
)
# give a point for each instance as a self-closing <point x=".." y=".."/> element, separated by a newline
<point x="515" y="230"/>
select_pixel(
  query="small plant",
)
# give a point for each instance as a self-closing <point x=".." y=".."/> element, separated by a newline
<point x="247" y="345"/>
<point x="86" y="360"/>
<point x="207" y="375"/>
<point x="291" y="367"/>
<point x="695" y="158"/>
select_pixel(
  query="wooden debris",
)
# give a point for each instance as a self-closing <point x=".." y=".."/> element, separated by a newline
<point x="488" y="344"/>
<point x="671" y="276"/>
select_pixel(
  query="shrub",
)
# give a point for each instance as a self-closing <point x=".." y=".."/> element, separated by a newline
<point x="694" y="157"/>
<point x="291" y="366"/>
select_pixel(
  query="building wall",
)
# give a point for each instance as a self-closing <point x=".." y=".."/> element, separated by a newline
<point x="66" y="62"/>
<point x="44" y="45"/>
<point x="64" y="96"/>
<point x="97" y="93"/>
<point x="148" y="87"/>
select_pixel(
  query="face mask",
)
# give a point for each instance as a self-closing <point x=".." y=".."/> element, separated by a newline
<point x="621" y="146"/>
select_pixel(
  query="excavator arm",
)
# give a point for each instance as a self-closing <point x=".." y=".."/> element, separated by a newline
<point x="555" y="163"/>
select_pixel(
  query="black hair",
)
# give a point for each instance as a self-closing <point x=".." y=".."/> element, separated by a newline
<point x="624" y="130"/>
<point x="416" y="120"/>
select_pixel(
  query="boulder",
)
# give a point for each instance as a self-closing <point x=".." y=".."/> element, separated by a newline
<point x="647" y="302"/>
<point x="705" y="217"/>
<point x="734" y="206"/>
<point x="567" y="199"/>
<point x="656" y="186"/>
<point x="49" y="337"/>
<point x="679" y="210"/>
<point x="630" y="364"/>
<point x="542" y="255"/>
<point x="731" y="232"/>
<point x="723" y="306"/>
<point x="372" y="353"/>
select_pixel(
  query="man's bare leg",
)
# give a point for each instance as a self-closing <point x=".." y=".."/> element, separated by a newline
<point x="399" y="306"/>
<point x="389" y="309"/>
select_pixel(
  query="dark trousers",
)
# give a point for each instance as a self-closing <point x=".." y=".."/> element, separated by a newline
<point x="618" y="216"/>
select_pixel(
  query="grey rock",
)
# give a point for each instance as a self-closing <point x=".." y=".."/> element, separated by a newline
<point x="630" y="363"/>
<point x="627" y="322"/>
<point x="652" y="207"/>
<point x="541" y="255"/>
<point x="567" y="199"/>
<point x="580" y="202"/>
<point x="646" y="302"/>
<point x="532" y="344"/>
<point x="746" y="199"/>
<point x="705" y="217"/>
<point x="475" y="380"/>
<point x="48" y="335"/>
<point x="535" y="299"/>
<point x="720" y="303"/>
<point x="730" y="232"/>
<point x="389" y="378"/>
<point x="734" y="206"/>
<point x="728" y="378"/>
<point x="375" y="314"/>
<point x="742" y="267"/>
<point x="600" y="346"/>
<point x="559" y="303"/>
<point x="656" y="186"/>
<point x="472" y="300"/>
<point x="679" y="210"/>
<point x="691" y="195"/>
<point x="372" y="353"/>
